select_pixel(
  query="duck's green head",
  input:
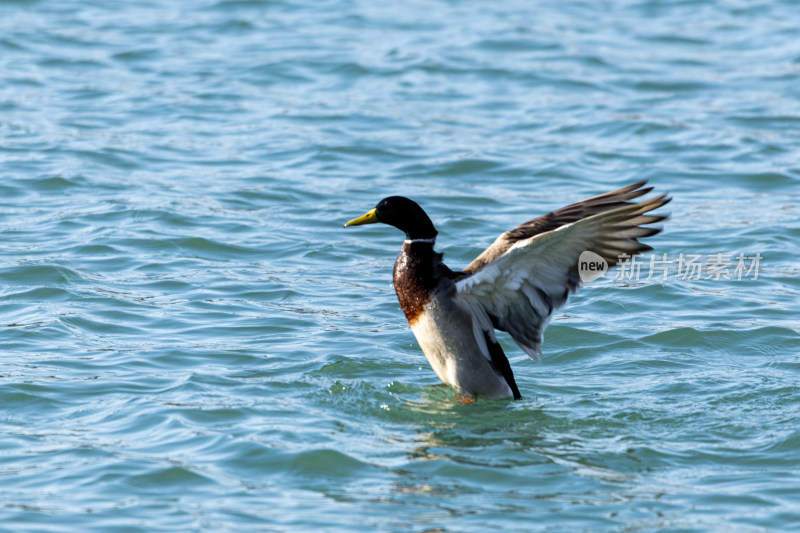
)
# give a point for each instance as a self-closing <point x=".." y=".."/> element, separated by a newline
<point x="402" y="213"/>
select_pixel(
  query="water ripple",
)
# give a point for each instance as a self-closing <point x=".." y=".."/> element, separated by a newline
<point x="191" y="341"/>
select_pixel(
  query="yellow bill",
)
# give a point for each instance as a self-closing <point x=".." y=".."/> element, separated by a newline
<point x="367" y="218"/>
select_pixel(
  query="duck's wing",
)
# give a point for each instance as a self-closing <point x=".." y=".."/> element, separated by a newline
<point x="556" y="219"/>
<point x="520" y="288"/>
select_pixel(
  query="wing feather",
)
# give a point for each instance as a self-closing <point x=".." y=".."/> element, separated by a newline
<point x="560" y="217"/>
<point x="520" y="288"/>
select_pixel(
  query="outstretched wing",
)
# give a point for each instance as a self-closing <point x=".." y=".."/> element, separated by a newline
<point x="550" y="221"/>
<point x="518" y="290"/>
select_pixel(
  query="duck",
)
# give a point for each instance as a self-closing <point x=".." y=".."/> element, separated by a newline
<point x="514" y="286"/>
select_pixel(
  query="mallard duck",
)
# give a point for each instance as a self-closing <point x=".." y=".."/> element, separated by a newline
<point x="515" y="285"/>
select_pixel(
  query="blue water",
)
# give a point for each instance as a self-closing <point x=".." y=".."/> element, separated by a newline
<point x="191" y="342"/>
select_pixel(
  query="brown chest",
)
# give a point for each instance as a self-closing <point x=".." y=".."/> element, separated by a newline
<point x="414" y="279"/>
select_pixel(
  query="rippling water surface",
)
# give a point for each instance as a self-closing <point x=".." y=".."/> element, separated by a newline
<point x="190" y="341"/>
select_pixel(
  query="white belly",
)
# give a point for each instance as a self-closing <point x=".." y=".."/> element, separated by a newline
<point x="446" y="337"/>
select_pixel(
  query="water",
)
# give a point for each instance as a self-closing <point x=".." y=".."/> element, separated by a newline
<point x="191" y="342"/>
